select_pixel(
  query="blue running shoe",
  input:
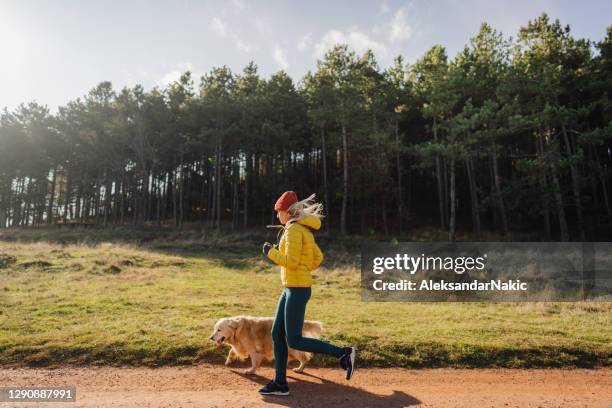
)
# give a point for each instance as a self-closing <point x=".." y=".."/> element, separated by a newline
<point x="347" y="361"/>
<point x="273" y="388"/>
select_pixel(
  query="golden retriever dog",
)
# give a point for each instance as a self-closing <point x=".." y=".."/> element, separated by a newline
<point x="252" y="337"/>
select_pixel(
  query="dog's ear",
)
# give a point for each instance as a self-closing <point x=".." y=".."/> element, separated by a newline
<point x="236" y="326"/>
<point x="240" y="324"/>
<point x="233" y="324"/>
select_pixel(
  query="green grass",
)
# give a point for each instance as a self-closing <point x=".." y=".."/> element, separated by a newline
<point x="141" y="297"/>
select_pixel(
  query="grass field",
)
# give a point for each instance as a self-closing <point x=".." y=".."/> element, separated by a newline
<point x="136" y="297"/>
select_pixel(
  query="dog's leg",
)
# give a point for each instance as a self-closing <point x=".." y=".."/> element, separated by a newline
<point x="255" y="363"/>
<point x="231" y="357"/>
<point x="300" y="369"/>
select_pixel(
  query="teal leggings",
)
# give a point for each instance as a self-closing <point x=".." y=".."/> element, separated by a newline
<point x="287" y="331"/>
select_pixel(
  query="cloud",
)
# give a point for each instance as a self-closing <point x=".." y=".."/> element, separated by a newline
<point x="384" y="40"/>
<point x="218" y="26"/>
<point x="398" y="28"/>
<point x="280" y="56"/>
<point x="384" y="8"/>
<point x="358" y="40"/>
<point x="304" y="42"/>
<point x="174" y="74"/>
<point x="240" y="44"/>
<point x="239" y="4"/>
<point x="263" y="27"/>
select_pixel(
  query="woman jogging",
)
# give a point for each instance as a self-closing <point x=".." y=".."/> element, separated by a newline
<point x="297" y="255"/>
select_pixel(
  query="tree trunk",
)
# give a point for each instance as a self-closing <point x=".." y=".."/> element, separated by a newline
<point x="17" y="203"/>
<point x="439" y="179"/>
<point x="150" y="193"/>
<point x="174" y="194"/>
<point x="544" y="187"/>
<point x="10" y="215"/>
<point x="79" y="203"/>
<point x="345" y="181"/>
<point x="202" y="205"/>
<point x="117" y="200"/>
<point x="559" y="202"/>
<point x="86" y="201"/>
<point x="255" y="184"/>
<point x="41" y="204"/>
<point x="51" y="197"/>
<point x="445" y="189"/>
<point x="451" y="230"/>
<point x="400" y="204"/>
<point x="181" y="192"/>
<point x="67" y="196"/>
<point x="325" y="191"/>
<point x="575" y="185"/>
<point x="3" y="206"/>
<point x="167" y="196"/>
<point x="218" y="183"/>
<point x="384" y="216"/>
<point x="96" y="203"/>
<point x="135" y="202"/>
<point x="408" y="203"/>
<point x="235" y="206"/>
<point x="602" y="179"/>
<point x="247" y="180"/>
<point x="272" y="170"/>
<point x="474" y="198"/>
<point x="210" y="214"/>
<point x="158" y="200"/>
<point x="498" y="194"/>
<point x="107" y="198"/>
<point x="554" y="172"/>
<point x="122" y="198"/>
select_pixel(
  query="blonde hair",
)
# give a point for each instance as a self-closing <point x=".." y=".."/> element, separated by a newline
<point x="305" y="208"/>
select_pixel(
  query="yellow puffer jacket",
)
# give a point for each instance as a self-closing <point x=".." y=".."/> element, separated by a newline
<point x="298" y="253"/>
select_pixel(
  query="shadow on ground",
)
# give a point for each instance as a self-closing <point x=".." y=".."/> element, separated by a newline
<point x="306" y="391"/>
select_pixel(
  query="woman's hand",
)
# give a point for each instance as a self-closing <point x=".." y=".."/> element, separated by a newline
<point x="266" y="248"/>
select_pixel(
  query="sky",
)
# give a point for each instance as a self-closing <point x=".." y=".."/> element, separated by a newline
<point x="55" y="51"/>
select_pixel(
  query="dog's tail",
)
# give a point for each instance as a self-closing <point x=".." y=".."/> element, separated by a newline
<point x="312" y="328"/>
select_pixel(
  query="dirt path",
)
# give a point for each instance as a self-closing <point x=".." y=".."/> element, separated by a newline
<point x="215" y="386"/>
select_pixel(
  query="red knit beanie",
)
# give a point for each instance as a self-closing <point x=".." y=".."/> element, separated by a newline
<point x="285" y="201"/>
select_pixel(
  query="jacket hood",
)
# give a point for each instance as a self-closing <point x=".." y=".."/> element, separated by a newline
<point x="311" y="221"/>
